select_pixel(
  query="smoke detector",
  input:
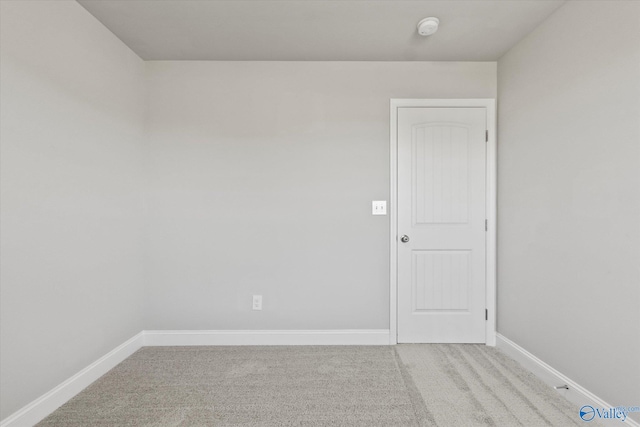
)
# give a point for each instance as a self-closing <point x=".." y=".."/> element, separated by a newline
<point x="428" y="26"/>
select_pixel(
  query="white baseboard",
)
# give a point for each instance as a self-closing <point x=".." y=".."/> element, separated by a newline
<point x="575" y="394"/>
<point x="268" y="337"/>
<point x="37" y="410"/>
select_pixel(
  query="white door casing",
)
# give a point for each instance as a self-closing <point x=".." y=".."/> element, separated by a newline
<point x="443" y="200"/>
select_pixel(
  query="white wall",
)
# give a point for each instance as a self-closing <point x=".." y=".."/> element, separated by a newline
<point x="569" y="196"/>
<point x="261" y="181"/>
<point x="72" y="103"/>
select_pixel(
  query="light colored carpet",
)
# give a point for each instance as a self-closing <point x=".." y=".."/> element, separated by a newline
<point x="249" y="386"/>
<point x="406" y="385"/>
<point x="475" y="385"/>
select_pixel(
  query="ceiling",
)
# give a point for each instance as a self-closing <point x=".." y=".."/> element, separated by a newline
<point x="311" y="30"/>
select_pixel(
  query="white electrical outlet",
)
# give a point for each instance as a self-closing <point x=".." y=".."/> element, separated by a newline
<point x="379" y="207"/>
<point x="257" y="302"/>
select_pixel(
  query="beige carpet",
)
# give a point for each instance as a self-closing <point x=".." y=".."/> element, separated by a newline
<point x="475" y="385"/>
<point x="249" y="386"/>
<point x="427" y="385"/>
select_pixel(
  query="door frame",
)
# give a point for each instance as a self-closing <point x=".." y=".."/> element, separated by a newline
<point x="491" y="208"/>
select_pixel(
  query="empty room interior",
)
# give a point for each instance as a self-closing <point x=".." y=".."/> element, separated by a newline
<point x="302" y="212"/>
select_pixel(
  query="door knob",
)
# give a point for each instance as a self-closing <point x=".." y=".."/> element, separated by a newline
<point x="404" y="238"/>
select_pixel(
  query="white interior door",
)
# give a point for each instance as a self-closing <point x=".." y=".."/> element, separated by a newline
<point x="441" y="225"/>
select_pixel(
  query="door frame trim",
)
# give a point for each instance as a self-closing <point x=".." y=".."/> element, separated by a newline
<point x="491" y="209"/>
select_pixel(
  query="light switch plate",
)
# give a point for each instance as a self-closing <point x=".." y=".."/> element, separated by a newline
<point x="379" y="207"/>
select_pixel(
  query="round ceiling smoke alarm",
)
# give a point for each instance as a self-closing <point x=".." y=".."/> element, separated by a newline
<point x="428" y="26"/>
